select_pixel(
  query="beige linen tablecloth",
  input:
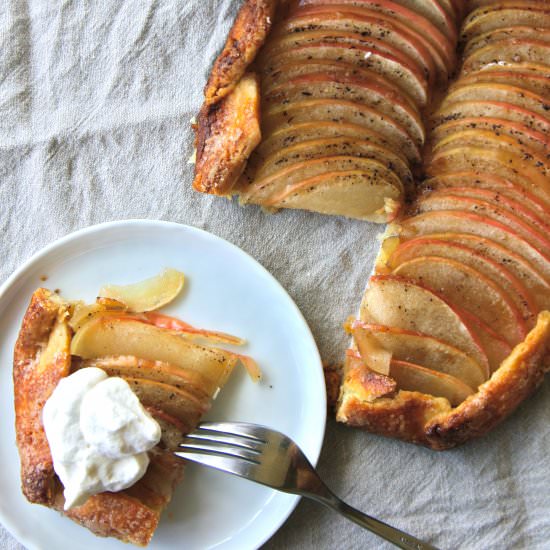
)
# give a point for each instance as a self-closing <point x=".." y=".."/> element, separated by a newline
<point x="95" y="102"/>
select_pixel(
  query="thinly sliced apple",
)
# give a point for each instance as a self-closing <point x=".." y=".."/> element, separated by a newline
<point x="445" y="200"/>
<point x="487" y="18"/>
<point x="479" y="91"/>
<point x="417" y="9"/>
<point x="495" y="347"/>
<point x="439" y="45"/>
<point x="535" y="83"/>
<point x="374" y="354"/>
<point x="134" y="367"/>
<point x="178" y="403"/>
<point x="535" y="69"/>
<point x="148" y="294"/>
<point x="106" y="337"/>
<point x="313" y="149"/>
<point x="374" y="24"/>
<point x="411" y="377"/>
<point x="499" y="162"/>
<point x="521" y="269"/>
<point x="414" y="347"/>
<point x="357" y="61"/>
<point x="338" y="87"/>
<point x="467" y="288"/>
<point x="455" y="221"/>
<point x="521" y="50"/>
<point x="308" y="131"/>
<point x="517" y="292"/>
<point x="359" y="194"/>
<point x="263" y="190"/>
<point x="493" y="109"/>
<point x="524" y="135"/>
<point x="172" y="429"/>
<point x="531" y="195"/>
<point x="394" y="301"/>
<point x="489" y="139"/>
<point x="279" y="117"/>
<point x="504" y="33"/>
<point x="511" y="200"/>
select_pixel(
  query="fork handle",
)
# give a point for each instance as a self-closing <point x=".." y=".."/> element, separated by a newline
<point x="395" y="536"/>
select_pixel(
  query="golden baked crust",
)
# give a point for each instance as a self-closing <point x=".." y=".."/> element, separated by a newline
<point x="41" y="358"/>
<point x="431" y="421"/>
<point x="226" y="135"/>
<point x="246" y="37"/>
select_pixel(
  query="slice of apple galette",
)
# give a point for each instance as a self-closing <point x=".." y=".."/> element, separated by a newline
<point x="103" y="392"/>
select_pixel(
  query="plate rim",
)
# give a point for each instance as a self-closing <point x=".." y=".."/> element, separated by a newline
<point x="9" y="285"/>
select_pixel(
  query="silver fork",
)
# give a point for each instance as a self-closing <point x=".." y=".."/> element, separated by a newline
<point x="271" y="458"/>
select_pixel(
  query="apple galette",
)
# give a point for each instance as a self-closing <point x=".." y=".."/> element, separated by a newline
<point x="103" y="392"/>
<point x="321" y="105"/>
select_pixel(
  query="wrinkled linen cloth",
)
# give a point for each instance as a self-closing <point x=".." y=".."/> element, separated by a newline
<point x="95" y="103"/>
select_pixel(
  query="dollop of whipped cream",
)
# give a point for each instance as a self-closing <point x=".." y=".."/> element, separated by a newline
<point x="99" y="434"/>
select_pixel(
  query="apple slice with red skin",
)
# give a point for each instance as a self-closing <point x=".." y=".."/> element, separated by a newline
<point x="495" y="347"/>
<point x="517" y="265"/>
<point x="517" y="50"/>
<point x="318" y="148"/>
<point x="467" y="288"/>
<point x="505" y="279"/>
<point x="354" y="194"/>
<point x="489" y="139"/>
<point x="503" y="33"/>
<point x="427" y="9"/>
<point x="280" y="117"/>
<point x="306" y="131"/>
<point x="488" y="18"/>
<point x="479" y="91"/>
<point x="279" y="51"/>
<point x="374" y="24"/>
<point x="338" y="87"/>
<point x="448" y="201"/>
<point x="501" y="4"/>
<point x="356" y="61"/>
<point x="491" y="109"/>
<point x="509" y="200"/>
<point x="457" y="221"/>
<point x="497" y="161"/>
<point x="537" y="83"/>
<point x="394" y="301"/>
<point x="414" y="347"/>
<point x="411" y="377"/>
<point x="524" y="135"/>
<point x="437" y="43"/>
<point x="534" y="69"/>
<point x="261" y="191"/>
<point x="539" y="203"/>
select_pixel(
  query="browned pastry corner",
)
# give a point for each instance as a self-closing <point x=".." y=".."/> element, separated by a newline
<point x="226" y="134"/>
<point x="246" y="37"/>
<point x="368" y="400"/>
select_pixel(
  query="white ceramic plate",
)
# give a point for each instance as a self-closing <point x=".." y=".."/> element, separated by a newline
<point x="225" y="290"/>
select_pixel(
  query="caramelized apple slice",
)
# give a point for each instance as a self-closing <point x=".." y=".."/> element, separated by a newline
<point x="411" y="377"/>
<point x="360" y="194"/>
<point x="339" y="87"/>
<point x="394" y="301"/>
<point x="157" y="371"/>
<point x="502" y="33"/>
<point x="456" y="221"/>
<point x="496" y="271"/>
<point x="446" y="200"/>
<point x="104" y="337"/>
<point x="487" y="18"/>
<point x="314" y="149"/>
<point x="279" y="117"/>
<point x="414" y="347"/>
<point x="466" y="288"/>
<point x="178" y="403"/>
<point x="149" y="294"/>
